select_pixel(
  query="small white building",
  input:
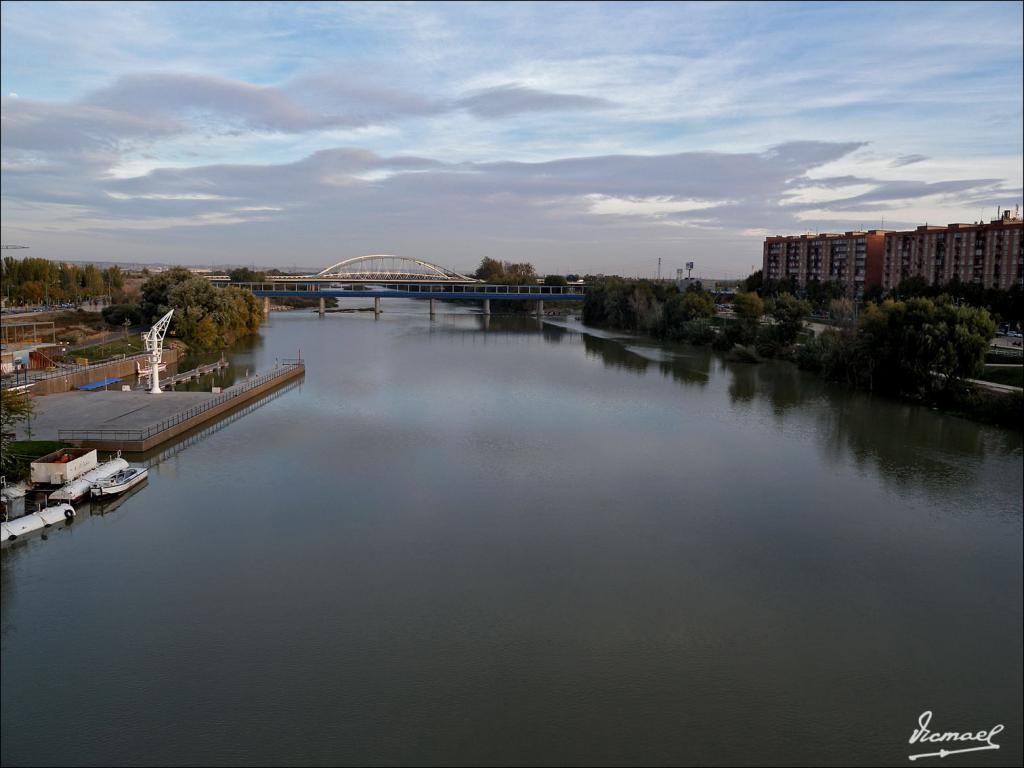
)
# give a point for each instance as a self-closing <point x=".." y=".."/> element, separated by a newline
<point x="62" y="466"/>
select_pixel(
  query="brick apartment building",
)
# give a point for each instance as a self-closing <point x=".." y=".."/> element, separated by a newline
<point x="991" y="255"/>
<point x="854" y="259"/>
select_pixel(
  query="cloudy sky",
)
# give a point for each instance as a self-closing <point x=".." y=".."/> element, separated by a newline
<point x="592" y="137"/>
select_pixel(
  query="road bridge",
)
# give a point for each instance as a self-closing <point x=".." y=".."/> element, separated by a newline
<point x="394" y="277"/>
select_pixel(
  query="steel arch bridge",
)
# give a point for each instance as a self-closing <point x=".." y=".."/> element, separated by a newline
<point x="386" y="267"/>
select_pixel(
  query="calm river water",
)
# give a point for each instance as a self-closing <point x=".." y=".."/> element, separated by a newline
<point x="531" y="545"/>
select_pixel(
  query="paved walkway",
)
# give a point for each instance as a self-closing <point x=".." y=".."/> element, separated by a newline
<point x="994" y="387"/>
<point x="96" y="410"/>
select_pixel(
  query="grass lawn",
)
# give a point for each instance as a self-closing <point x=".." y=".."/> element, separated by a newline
<point x="92" y="320"/>
<point x="130" y="346"/>
<point x="33" y="449"/>
<point x="1011" y="376"/>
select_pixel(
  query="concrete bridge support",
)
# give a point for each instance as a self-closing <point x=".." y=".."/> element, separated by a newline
<point x="323" y="308"/>
<point x="540" y="307"/>
<point x="266" y="307"/>
<point x="487" y="306"/>
<point x="433" y="307"/>
<point x="376" y="306"/>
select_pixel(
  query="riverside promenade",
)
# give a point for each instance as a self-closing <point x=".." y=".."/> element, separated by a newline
<point x="138" y="421"/>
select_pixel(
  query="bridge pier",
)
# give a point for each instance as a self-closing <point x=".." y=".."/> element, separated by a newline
<point x="266" y="307"/>
<point x="376" y="306"/>
<point x="323" y="308"/>
<point x="540" y="307"/>
<point x="487" y="306"/>
<point x="433" y="307"/>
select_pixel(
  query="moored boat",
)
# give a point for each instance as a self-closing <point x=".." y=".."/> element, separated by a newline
<point x="44" y="518"/>
<point x="79" y="487"/>
<point x="119" y="482"/>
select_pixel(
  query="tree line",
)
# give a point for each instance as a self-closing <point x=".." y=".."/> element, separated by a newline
<point x="1005" y="306"/>
<point x="35" y="281"/>
<point x="920" y="348"/>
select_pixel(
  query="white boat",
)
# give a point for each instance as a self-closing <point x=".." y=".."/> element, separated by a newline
<point x="79" y="487"/>
<point x="120" y="482"/>
<point x="44" y="518"/>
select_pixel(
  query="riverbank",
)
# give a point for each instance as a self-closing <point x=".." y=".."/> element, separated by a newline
<point x="926" y="351"/>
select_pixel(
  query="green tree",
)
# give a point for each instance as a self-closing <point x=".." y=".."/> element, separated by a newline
<point x="205" y="316"/>
<point x="246" y="275"/>
<point x="116" y="314"/>
<point x="755" y="282"/>
<point x="616" y="303"/>
<point x="555" y="280"/>
<point x="490" y="270"/>
<point x="155" y="301"/>
<point x="93" y="280"/>
<point x="920" y="346"/>
<point x="789" y="314"/>
<point x="114" y="277"/>
<point x="873" y="293"/>
<point x="684" y="315"/>
<point x="748" y="306"/>
<point x="15" y="407"/>
<point x="843" y="312"/>
<point x="911" y="287"/>
<point x="518" y="274"/>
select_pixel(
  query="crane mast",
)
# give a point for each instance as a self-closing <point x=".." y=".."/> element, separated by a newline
<point x="154" y="340"/>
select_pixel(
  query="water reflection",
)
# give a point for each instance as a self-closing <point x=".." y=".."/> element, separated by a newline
<point x="614" y="354"/>
<point x="907" y="444"/>
<point x="486" y="532"/>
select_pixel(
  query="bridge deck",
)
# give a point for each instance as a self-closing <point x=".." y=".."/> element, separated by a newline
<point x="409" y="290"/>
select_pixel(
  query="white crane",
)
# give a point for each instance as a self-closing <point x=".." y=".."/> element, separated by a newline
<point x="154" y="339"/>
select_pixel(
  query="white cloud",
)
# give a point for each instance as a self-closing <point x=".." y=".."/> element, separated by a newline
<point x="650" y="207"/>
<point x="609" y="130"/>
<point x="820" y="194"/>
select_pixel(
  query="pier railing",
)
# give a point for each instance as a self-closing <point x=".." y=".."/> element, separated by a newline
<point x="66" y="369"/>
<point x="285" y="369"/>
<point x="467" y="291"/>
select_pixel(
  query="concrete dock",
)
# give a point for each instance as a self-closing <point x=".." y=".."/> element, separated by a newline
<point x="101" y="410"/>
<point x="139" y="421"/>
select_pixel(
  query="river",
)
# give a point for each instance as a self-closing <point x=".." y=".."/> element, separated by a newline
<point x="524" y="544"/>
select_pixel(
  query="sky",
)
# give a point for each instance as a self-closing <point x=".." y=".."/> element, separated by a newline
<point x="580" y="137"/>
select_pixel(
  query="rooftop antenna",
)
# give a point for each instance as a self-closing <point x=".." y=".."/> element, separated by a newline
<point x="154" y="339"/>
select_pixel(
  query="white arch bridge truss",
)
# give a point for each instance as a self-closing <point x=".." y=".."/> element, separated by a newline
<point x="385" y="267"/>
